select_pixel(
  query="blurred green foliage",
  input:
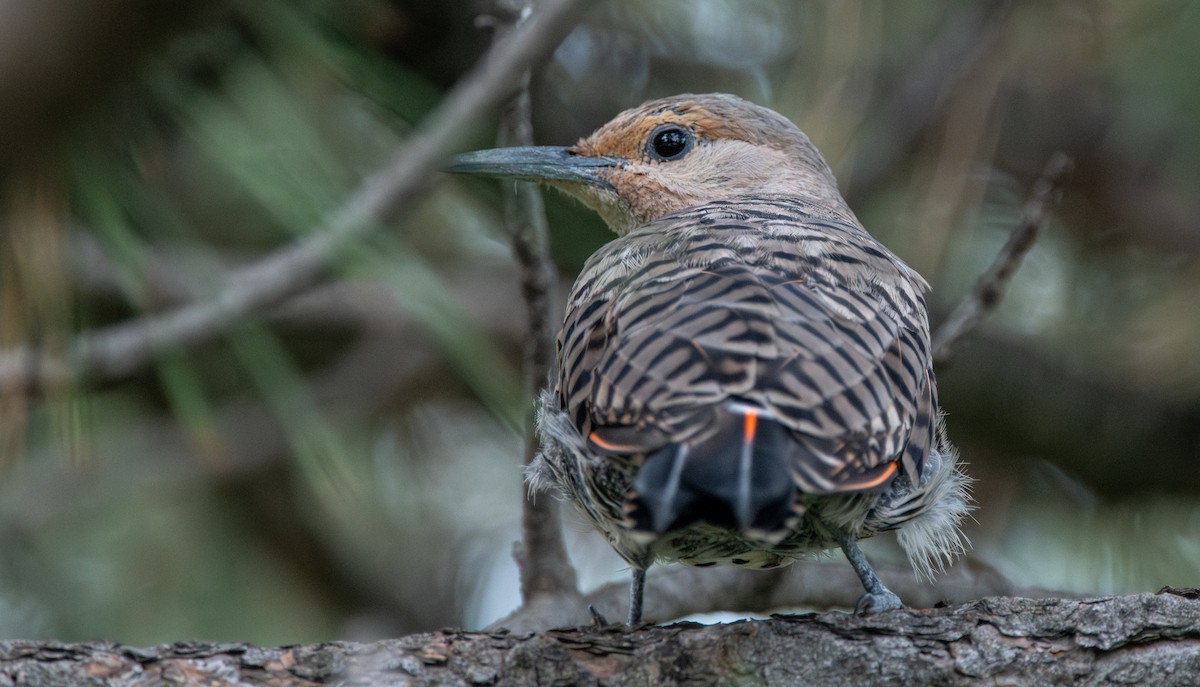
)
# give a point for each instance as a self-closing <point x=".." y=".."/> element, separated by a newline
<point x="346" y="465"/>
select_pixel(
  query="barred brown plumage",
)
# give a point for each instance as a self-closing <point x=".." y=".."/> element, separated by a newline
<point x="744" y="374"/>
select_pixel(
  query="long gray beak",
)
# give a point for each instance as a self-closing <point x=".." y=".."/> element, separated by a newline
<point x="535" y="163"/>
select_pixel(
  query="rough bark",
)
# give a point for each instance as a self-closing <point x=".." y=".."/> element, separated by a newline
<point x="1135" y="639"/>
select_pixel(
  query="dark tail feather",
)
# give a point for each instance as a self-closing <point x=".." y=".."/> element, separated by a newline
<point x="737" y="477"/>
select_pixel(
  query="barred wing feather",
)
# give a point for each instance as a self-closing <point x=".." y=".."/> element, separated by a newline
<point x="666" y="327"/>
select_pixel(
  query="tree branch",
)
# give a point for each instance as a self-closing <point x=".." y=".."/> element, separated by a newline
<point x="541" y="555"/>
<point x="122" y="349"/>
<point x="989" y="289"/>
<point x="1141" y="638"/>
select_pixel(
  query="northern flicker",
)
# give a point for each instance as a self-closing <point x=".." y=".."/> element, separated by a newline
<point x="743" y="374"/>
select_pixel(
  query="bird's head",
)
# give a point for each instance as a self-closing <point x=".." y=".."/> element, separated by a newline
<point x="670" y="154"/>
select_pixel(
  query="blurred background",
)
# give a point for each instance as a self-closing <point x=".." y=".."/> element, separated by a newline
<point x="346" y="465"/>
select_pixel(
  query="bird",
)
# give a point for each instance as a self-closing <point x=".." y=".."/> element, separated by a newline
<point x="744" y="374"/>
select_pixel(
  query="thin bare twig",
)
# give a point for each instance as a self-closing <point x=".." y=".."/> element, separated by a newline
<point x="989" y="289"/>
<point x="120" y="350"/>
<point x="541" y="556"/>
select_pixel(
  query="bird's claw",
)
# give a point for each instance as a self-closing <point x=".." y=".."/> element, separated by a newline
<point x="598" y="619"/>
<point x="874" y="603"/>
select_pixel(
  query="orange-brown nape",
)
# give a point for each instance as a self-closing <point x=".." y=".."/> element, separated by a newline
<point x="686" y="150"/>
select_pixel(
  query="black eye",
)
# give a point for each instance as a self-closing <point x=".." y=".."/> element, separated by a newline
<point x="669" y="142"/>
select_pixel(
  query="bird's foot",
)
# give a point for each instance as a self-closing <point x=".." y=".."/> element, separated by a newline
<point x="598" y="619"/>
<point x="878" y="597"/>
<point x="874" y="603"/>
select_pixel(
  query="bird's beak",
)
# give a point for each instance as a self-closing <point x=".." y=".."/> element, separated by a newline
<point x="536" y="163"/>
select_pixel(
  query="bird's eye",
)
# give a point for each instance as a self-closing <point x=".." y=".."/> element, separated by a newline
<point x="669" y="142"/>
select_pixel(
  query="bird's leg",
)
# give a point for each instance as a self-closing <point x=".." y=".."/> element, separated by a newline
<point x="599" y="622"/>
<point x="637" y="589"/>
<point x="878" y="597"/>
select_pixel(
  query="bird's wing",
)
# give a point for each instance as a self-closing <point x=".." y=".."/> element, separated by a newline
<point x="663" y="331"/>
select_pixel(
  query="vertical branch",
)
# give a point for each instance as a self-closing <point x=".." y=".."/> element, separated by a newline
<point x="541" y="556"/>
